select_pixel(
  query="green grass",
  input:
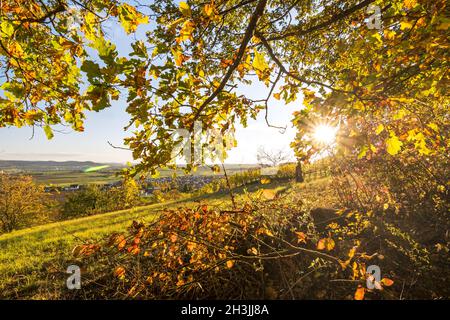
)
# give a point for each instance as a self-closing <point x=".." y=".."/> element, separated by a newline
<point x="64" y="178"/>
<point x="29" y="257"/>
<point x="25" y="255"/>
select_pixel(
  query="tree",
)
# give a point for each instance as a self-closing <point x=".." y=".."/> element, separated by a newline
<point x="271" y="158"/>
<point x="20" y="201"/>
<point x="89" y="200"/>
<point x="125" y="196"/>
<point x="93" y="199"/>
<point x="189" y="66"/>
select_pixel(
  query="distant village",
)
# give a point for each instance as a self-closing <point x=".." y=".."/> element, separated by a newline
<point x="182" y="183"/>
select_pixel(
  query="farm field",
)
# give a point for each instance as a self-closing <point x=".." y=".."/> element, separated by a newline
<point x="62" y="174"/>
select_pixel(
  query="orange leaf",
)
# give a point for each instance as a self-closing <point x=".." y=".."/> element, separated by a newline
<point x="359" y="293"/>
<point x="230" y="264"/>
<point x="122" y="244"/>
<point x="387" y="282"/>
<point x="325" y="243"/>
<point x="301" y="237"/>
<point x="120" y="272"/>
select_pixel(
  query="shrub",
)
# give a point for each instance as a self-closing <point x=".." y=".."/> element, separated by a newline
<point x="260" y="251"/>
<point x="20" y="201"/>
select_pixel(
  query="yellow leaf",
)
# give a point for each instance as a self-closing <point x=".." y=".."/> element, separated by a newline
<point x="393" y="144"/>
<point x="352" y="252"/>
<point x="433" y="126"/>
<point x="443" y="26"/>
<point x="185" y="9"/>
<point x="405" y="25"/>
<point x="400" y="114"/>
<point x="230" y="264"/>
<point x="377" y="67"/>
<point x="265" y="231"/>
<point x="130" y="18"/>
<point x="276" y="96"/>
<point x="186" y="31"/>
<point x="259" y="62"/>
<point x="379" y="129"/>
<point x="180" y="58"/>
<point x="389" y="34"/>
<point x="180" y="283"/>
<point x="344" y="264"/>
<point x="359" y="293"/>
<point x="121" y="244"/>
<point x="409" y="4"/>
<point x="269" y="194"/>
<point x="387" y="282"/>
<point x="209" y="9"/>
<point x="265" y="181"/>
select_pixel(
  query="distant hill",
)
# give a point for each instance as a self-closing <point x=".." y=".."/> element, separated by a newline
<point x="43" y="166"/>
<point x="15" y="166"/>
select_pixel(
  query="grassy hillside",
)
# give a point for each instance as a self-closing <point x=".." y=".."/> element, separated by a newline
<point x="31" y="259"/>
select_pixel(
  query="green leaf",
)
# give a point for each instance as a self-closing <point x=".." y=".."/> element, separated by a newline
<point x="106" y="50"/>
<point x="91" y="68"/>
<point x="48" y="132"/>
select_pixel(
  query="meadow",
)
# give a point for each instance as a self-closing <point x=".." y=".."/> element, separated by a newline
<point x="33" y="260"/>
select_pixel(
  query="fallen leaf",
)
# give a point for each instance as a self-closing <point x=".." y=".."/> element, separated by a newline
<point x="359" y="293"/>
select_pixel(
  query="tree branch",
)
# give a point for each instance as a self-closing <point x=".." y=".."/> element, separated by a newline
<point x="284" y="70"/>
<point x="333" y="19"/>
<point x="247" y="36"/>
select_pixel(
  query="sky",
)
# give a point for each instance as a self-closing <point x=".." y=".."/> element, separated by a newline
<point x="107" y="125"/>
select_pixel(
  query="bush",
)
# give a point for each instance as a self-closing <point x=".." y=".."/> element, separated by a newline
<point x="260" y="251"/>
<point x="20" y="201"/>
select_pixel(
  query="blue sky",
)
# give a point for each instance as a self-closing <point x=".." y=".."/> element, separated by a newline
<point x="107" y="125"/>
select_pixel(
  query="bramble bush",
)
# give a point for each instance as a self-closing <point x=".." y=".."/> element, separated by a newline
<point x="266" y="249"/>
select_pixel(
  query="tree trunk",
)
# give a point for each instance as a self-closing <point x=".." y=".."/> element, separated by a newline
<point x="298" y="172"/>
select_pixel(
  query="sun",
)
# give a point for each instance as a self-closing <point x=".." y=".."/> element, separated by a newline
<point x="325" y="134"/>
